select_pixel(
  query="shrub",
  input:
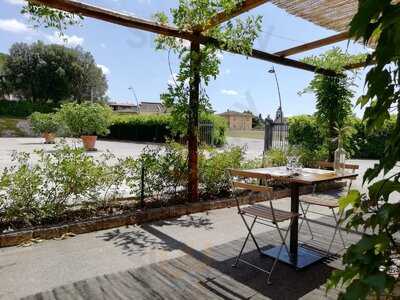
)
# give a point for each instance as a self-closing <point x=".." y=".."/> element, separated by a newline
<point x="165" y="172"/>
<point x="23" y="109"/>
<point x="148" y="128"/>
<point x="44" y="123"/>
<point x="276" y="158"/>
<point x="157" y="128"/>
<point x="304" y="131"/>
<point x="19" y="189"/>
<point x="40" y="193"/>
<point x="220" y="128"/>
<point x="214" y="178"/>
<point x="86" y="118"/>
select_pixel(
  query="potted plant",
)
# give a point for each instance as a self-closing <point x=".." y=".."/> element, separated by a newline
<point x="46" y="125"/>
<point x="87" y="121"/>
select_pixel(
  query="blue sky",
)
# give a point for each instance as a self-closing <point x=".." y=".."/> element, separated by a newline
<point x="128" y="57"/>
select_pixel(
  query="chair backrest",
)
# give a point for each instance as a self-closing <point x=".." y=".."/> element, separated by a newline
<point x="238" y="176"/>
<point x="330" y="165"/>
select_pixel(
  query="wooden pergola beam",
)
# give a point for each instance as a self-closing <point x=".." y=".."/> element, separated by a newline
<point x="314" y="45"/>
<point x="115" y="17"/>
<point x="127" y="20"/>
<point x="360" y="65"/>
<point x="226" y="16"/>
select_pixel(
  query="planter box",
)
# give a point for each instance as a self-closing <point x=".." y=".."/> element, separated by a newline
<point x="140" y="217"/>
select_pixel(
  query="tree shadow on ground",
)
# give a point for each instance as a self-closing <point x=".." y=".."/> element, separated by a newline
<point x="136" y="241"/>
<point x="191" y="221"/>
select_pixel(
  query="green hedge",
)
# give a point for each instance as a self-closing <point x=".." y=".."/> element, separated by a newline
<point x="145" y="128"/>
<point x="304" y="131"/>
<point x="23" y="109"/>
<point x="156" y="128"/>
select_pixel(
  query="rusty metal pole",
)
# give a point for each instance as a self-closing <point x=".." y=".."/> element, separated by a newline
<point x="193" y="123"/>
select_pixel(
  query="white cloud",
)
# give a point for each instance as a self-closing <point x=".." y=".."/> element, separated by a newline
<point x="228" y="71"/>
<point x="67" y="40"/>
<point x="103" y="45"/>
<point x="14" y="26"/>
<point x="229" y="92"/>
<point x="15" y="2"/>
<point x="106" y="71"/>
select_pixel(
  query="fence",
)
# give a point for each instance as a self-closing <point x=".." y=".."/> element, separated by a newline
<point x="276" y="135"/>
<point x="206" y="133"/>
<point x="205" y="136"/>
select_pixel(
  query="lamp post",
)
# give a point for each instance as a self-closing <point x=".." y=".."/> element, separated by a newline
<point x="136" y="98"/>
<point x="272" y="71"/>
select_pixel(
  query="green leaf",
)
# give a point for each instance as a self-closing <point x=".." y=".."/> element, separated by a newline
<point x="353" y="198"/>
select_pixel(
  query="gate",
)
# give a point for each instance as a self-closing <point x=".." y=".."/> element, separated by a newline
<point x="276" y="135"/>
<point x="206" y="133"/>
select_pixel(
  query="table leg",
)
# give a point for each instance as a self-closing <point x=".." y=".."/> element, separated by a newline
<point x="294" y="230"/>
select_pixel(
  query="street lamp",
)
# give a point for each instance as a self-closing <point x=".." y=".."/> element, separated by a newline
<point x="272" y="71"/>
<point x="136" y="98"/>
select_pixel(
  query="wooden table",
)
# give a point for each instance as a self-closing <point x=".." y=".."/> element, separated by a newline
<point x="299" y="256"/>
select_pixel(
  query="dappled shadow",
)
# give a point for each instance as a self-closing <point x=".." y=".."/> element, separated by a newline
<point x="204" y="274"/>
<point x="188" y="221"/>
<point x="134" y="241"/>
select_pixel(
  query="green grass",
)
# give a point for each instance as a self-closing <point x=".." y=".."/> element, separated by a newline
<point x="8" y="126"/>
<point x="250" y="134"/>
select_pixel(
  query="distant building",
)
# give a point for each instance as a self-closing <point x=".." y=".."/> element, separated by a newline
<point x="152" y="108"/>
<point x="145" y="108"/>
<point x="123" y="107"/>
<point x="237" y="120"/>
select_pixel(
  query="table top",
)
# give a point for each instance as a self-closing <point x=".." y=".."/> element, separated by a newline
<point x="305" y="176"/>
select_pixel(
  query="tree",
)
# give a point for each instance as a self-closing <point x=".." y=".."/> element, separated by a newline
<point x="3" y="83"/>
<point x="3" y="58"/>
<point x="43" y="73"/>
<point x="187" y="97"/>
<point x="371" y="265"/>
<point x="333" y="93"/>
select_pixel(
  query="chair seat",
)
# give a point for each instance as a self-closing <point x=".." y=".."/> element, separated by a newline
<point x="265" y="212"/>
<point x="320" y="200"/>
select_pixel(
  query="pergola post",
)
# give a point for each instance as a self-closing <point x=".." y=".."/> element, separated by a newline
<point x="193" y="122"/>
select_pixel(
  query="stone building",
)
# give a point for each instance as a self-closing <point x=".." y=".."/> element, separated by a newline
<point x="237" y="120"/>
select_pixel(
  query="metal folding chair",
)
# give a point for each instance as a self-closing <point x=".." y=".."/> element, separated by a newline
<point x="325" y="200"/>
<point x="261" y="214"/>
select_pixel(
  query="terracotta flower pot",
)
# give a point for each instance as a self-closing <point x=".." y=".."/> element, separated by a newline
<point x="89" y="142"/>
<point x="49" y="137"/>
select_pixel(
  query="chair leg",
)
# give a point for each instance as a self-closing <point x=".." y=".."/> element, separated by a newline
<point x="250" y="228"/>
<point x="337" y="220"/>
<point x="337" y="229"/>
<point x="280" y="250"/>
<point x="245" y="241"/>
<point x="305" y="212"/>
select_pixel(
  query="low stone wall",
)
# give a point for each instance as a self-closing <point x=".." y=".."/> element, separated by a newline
<point x="139" y="217"/>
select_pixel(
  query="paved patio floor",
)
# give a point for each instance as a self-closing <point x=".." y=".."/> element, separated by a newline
<point x="185" y="258"/>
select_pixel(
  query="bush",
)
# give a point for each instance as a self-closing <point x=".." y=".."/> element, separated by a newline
<point x="67" y="184"/>
<point x="220" y="128"/>
<point x="86" y="118"/>
<point x="39" y="193"/>
<point x="44" y="123"/>
<point x="147" y="128"/>
<point x="157" y="128"/>
<point x="305" y="133"/>
<point x="23" y="109"/>
<point x="370" y="145"/>
<point x="214" y="178"/>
